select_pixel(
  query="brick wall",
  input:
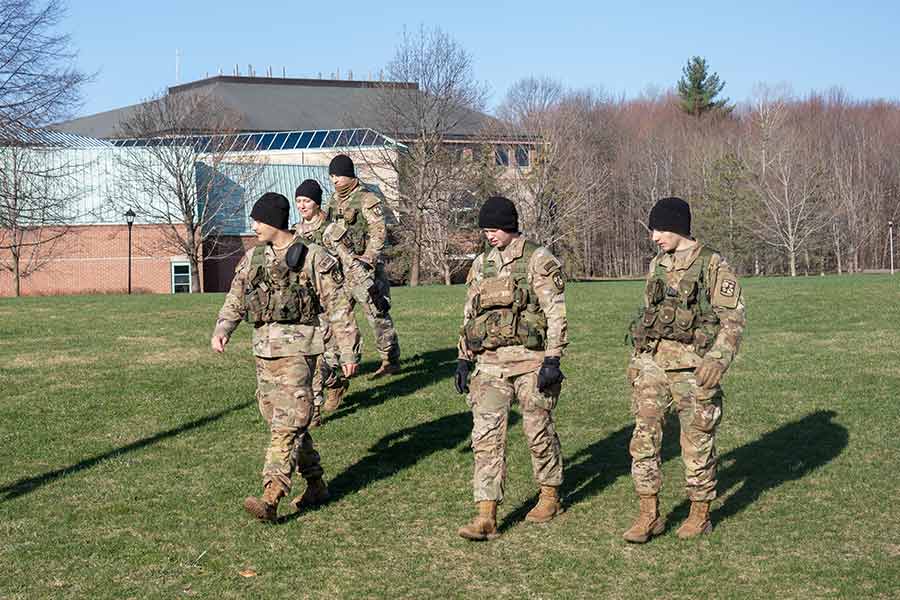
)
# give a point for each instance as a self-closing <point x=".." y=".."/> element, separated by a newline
<point x="94" y="259"/>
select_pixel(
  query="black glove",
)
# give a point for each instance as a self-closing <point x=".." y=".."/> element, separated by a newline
<point x="549" y="375"/>
<point x="296" y="256"/>
<point x="380" y="303"/>
<point x="462" y="375"/>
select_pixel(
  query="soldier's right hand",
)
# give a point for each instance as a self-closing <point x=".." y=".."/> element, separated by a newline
<point x="462" y="375"/>
<point x="218" y="343"/>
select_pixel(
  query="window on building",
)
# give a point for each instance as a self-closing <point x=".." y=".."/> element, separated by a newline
<point x="181" y="278"/>
<point x="502" y="155"/>
<point x="521" y="156"/>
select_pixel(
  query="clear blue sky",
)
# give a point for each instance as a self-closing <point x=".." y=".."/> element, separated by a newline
<point x="620" y="47"/>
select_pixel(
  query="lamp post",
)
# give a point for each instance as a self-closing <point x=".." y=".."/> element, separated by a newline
<point x="891" y="239"/>
<point x="129" y="218"/>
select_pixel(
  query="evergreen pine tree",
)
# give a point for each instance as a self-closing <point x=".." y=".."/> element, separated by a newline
<point x="698" y="89"/>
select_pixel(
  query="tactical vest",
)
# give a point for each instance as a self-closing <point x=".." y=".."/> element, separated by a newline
<point x="683" y="314"/>
<point x="507" y="310"/>
<point x="315" y="236"/>
<point x="278" y="294"/>
<point x="352" y="219"/>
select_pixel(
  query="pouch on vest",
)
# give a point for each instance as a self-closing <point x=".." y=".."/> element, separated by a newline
<point x="532" y="330"/>
<point x="497" y="292"/>
<point x="350" y="215"/>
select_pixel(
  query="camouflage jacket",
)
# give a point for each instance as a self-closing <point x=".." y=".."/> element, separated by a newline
<point x="271" y="340"/>
<point x="363" y="202"/>
<point x="312" y="231"/>
<point x="727" y="300"/>
<point x="546" y="277"/>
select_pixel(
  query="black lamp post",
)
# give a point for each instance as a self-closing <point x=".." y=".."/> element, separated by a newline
<point x="129" y="218"/>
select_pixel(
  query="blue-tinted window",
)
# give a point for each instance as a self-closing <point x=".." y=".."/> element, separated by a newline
<point x="317" y="140"/>
<point x="266" y="141"/>
<point x="357" y="137"/>
<point x="253" y="143"/>
<point x="344" y="137"/>
<point x="291" y="142"/>
<point x="279" y="141"/>
<point x="521" y="156"/>
<point x="305" y="139"/>
<point x="330" y="139"/>
<point x="502" y="155"/>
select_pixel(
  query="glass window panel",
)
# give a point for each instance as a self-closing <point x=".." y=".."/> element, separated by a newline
<point x="266" y="141"/>
<point x="344" y="137"/>
<point x="253" y="143"/>
<point x="521" y="156"/>
<point x="279" y="141"/>
<point x="181" y="269"/>
<point x="367" y="139"/>
<point x="317" y="139"/>
<point x="291" y="142"/>
<point x="502" y="156"/>
<point x="330" y="139"/>
<point x="183" y="288"/>
<point x="377" y="140"/>
<point x="305" y="138"/>
<point x="357" y="137"/>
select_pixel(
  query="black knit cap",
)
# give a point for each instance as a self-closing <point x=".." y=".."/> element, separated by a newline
<point x="498" y="212"/>
<point x="311" y="189"/>
<point x="671" y="214"/>
<point x="341" y="165"/>
<point x="272" y="209"/>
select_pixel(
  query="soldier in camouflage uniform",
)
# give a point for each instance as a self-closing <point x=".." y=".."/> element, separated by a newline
<point x="685" y="337"/>
<point x="358" y="236"/>
<point x="514" y="332"/>
<point x="283" y="287"/>
<point x="329" y="385"/>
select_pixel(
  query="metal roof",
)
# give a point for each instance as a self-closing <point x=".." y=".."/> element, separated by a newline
<point x="47" y="137"/>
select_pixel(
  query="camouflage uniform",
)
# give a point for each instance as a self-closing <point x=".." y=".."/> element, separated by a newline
<point x="509" y="373"/>
<point x="357" y="236"/>
<point x="285" y="358"/>
<point x="327" y="371"/>
<point x="662" y="372"/>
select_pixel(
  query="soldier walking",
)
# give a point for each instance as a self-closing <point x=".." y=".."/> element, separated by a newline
<point x="281" y="287"/>
<point x="358" y="237"/>
<point x="513" y="335"/>
<point x="329" y="384"/>
<point x="685" y="337"/>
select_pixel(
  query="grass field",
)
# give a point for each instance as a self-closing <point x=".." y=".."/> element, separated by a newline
<point x="127" y="448"/>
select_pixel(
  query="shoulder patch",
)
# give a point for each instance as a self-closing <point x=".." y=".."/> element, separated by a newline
<point x="559" y="281"/>
<point x="546" y="263"/>
<point x="371" y="201"/>
<point x="727" y="292"/>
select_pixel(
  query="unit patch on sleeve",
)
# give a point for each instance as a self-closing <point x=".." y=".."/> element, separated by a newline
<point x="728" y="287"/>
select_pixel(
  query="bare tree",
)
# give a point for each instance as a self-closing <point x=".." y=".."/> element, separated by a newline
<point x="789" y="175"/>
<point x="39" y="82"/>
<point x="186" y="166"/>
<point x="443" y="99"/>
<point x="38" y="202"/>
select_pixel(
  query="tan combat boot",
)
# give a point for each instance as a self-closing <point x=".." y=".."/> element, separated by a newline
<point x="334" y="397"/>
<point x="266" y="507"/>
<point x="648" y="522"/>
<point x="316" y="493"/>
<point x="484" y="525"/>
<point x="547" y="506"/>
<point x="386" y="368"/>
<point x="697" y="522"/>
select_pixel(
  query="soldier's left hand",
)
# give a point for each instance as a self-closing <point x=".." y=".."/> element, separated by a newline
<point x="709" y="373"/>
<point x="349" y="369"/>
<point x="550" y="374"/>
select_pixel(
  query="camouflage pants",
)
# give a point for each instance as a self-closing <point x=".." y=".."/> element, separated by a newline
<point x="327" y="373"/>
<point x="490" y="399"/>
<point x="699" y="412"/>
<point x="285" y="400"/>
<point x="382" y="325"/>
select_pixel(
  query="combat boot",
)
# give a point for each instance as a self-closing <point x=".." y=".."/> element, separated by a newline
<point x="648" y="522"/>
<point x="316" y="492"/>
<point x="334" y="396"/>
<point x="266" y="507"/>
<point x="484" y="525"/>
<point x="388" y="367"/>
<point x="697" y="522"/>
<point x="547" y="506"/>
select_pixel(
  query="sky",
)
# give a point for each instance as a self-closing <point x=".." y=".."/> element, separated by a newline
<point x="621" y="48"/>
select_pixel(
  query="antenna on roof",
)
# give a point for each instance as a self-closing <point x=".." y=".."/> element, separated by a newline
<point x="284" y="72"/>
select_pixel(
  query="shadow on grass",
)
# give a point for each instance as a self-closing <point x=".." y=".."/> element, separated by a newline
<point x="398" y="451"/>
<point x="417" y="372"/>
<point x="785" y="454"/>
<point x="590" y="470"/>
<point x="27" y="485"/>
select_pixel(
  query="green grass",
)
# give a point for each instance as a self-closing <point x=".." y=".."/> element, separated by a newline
<point x="127" y="448"/>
